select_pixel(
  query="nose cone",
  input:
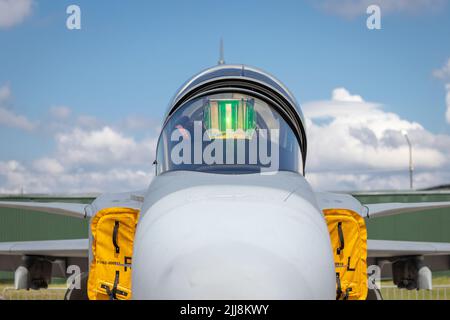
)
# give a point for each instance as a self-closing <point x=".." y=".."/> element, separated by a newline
<point x="222" y="249"/>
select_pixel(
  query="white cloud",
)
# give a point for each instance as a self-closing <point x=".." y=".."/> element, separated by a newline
<point x="84" y="161"/>
<point x="134" y="123"/>
<point x="358" y="145"/>
<point x="8" y="166"/>
<point x="103" y="145"/>
<point x="444" y="72"/>
<point x="13" y="12"/>
<point x="18" y="178"/>
<point x="447" y="114"/>
<point x="5" y="93"/>
<point x="60" y="112"/>
<point x="354" y="8"/>
<point x="8" y="117"/>
<point x="353" y="145"/>
<point x="342" y="94"/>
<point x="48" y="165"/>
<point x="88" y="156"/>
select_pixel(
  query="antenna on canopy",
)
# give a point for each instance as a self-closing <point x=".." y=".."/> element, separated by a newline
<point x="221" y="58"/>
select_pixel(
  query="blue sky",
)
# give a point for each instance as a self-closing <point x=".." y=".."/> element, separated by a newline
<point x="130" y="57"/>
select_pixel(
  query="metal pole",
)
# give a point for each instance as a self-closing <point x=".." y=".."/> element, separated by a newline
<point x="411" y="167"/>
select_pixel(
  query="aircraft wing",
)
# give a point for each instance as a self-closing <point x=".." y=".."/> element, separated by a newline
<point x="435" y="255"/>
<point x="50" y="248"/>
<point x="387" y="209"/>
<point x="77" y="210"/>
<point x="392" y="248"/>
<point x="68" y="251"/>
<point x="80" y="210"/>
<point x="328" y="200"/>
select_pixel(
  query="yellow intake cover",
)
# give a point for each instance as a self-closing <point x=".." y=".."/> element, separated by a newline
<point x="113" y="232"/>
<point x="348" y="236"/>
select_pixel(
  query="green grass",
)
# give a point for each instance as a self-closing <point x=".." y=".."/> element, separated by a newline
<point x="56" y="291"/>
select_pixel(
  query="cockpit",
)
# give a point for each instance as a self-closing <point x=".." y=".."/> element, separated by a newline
<point x="223" y="127"/>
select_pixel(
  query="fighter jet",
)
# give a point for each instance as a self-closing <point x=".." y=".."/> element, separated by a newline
<point x="229" y="213"/>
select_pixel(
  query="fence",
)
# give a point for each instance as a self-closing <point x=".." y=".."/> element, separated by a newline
<point x="439" y="292"/>
<point x="389" y="292"/>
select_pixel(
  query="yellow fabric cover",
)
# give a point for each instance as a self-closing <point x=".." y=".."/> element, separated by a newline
<point x="112" y="255"/>
<point x="351" y="260"/>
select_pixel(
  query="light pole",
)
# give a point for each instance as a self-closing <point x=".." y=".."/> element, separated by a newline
<point x="411" y="168"/>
